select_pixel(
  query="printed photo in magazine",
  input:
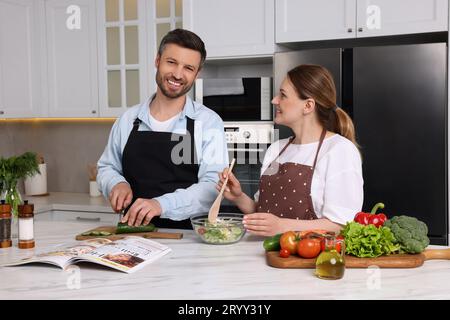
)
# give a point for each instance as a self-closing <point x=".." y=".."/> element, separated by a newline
<point x="128" y="254"/>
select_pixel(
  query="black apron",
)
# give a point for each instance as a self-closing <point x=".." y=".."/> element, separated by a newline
<point x="149" y="169"/>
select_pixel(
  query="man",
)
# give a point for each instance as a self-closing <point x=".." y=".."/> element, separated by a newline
<point x="145" y="168"/>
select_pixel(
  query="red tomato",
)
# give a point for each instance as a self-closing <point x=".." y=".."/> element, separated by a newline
<point x="322" y="244"/>
<point x="337" y="245"/>
<point x="309" y="248"/>
<point x="284" y="253"/>
<point x="289" y="241"/>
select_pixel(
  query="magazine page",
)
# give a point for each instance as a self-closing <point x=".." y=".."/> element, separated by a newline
<point x="128" y="254"/>
<point x="61" y="255"/>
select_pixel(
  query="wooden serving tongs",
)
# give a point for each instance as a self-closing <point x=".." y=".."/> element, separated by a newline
<point x="214" y="211"/>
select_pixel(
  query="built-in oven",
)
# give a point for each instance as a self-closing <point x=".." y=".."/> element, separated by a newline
<point x="247" y="143"/>
<point x="244" y="104"/>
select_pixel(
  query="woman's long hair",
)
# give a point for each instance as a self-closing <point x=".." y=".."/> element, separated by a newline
<point x="316" y="82"/>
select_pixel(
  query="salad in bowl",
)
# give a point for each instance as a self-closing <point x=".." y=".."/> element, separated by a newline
<point x="227" y="229"/>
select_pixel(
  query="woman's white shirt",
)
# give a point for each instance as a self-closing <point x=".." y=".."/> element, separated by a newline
<point x="337" y="183"/>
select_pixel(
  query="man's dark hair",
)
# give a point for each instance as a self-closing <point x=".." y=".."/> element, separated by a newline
<point x="186" y="39"/>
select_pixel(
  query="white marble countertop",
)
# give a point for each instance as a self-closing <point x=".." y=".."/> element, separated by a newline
<point x="69" y="201"/>
<point x="194" y="270"/>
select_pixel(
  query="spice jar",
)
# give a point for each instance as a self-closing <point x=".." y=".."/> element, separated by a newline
<point x="26" y="226"/>
<point x="5" y="225"/>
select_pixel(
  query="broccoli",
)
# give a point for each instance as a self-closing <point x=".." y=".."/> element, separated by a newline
<point x="410" y="233"/>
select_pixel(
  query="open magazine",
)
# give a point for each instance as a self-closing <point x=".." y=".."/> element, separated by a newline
<point x="128" y="254"/>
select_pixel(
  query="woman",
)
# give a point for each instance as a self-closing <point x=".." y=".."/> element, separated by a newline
<point x="312" y="180"/>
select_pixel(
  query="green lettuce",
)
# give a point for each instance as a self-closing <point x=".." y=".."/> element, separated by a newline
<point x="368" y="241"/>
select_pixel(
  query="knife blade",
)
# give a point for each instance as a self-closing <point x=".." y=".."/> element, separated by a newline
<point x="121" y="214"/>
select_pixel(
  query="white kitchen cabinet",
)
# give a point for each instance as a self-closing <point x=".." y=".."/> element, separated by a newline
<point x="48" y="58"/>
<point x="123" y="63"/>
<point x="71" y="32"/>
<point x="20" y="58"/>
<point x="78" y="216"/>
<point x="303" y="20"/>
<point x="232" y="28"/>
<point x="393" y="17"/>
<point x="80" y="58"/>
<point x="129" y="33"/>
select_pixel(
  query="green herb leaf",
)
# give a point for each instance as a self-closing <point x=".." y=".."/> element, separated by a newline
<point x="11" y="171"/>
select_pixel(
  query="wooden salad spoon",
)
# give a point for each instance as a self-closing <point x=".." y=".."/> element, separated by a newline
<point x="214" y="210"/>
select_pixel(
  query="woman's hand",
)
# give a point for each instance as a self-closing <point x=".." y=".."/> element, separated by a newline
<point x="264" y="224"/>
<point x="233" y="188"/>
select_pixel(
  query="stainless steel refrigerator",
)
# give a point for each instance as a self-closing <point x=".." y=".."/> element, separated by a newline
<point x="397" y="98"/>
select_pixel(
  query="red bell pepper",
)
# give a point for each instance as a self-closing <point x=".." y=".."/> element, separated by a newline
<point x="377" y="219"/>
<point x="371" y="218"/>
<point x="362" y="218"/>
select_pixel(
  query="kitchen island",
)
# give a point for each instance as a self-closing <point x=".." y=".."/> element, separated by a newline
<point x="194" y="270"/>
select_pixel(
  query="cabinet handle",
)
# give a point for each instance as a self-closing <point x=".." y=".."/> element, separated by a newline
<point x="349" y="30"/>
<point x="360" y="29"/>
<point x="93" y="111"/>
<point x="87" y="219"/>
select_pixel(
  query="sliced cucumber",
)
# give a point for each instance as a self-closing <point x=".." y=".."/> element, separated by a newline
<point x="96" y="233"/>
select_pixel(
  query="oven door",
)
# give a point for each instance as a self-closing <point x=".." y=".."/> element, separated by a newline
<point x="247" y="170"/>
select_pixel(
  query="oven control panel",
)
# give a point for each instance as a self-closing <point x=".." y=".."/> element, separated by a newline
<point x="250" y="132"/>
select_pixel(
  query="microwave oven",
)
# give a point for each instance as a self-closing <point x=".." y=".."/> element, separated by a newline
<point x="239" y="99"/>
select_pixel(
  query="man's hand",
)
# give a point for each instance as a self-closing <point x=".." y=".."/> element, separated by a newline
<point x="120" y="196"/>
<point x="142" y="211"/>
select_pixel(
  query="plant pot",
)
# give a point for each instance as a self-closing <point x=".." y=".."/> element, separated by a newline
<point x="37" y="184"/>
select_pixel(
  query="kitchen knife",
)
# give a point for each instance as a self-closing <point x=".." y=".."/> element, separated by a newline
<point x="121" y="214"/>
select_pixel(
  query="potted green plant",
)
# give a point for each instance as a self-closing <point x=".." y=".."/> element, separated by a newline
<point x="11" y="171"/>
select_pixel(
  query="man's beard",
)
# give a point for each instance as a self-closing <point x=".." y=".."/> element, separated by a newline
<point x="160" y="83"/>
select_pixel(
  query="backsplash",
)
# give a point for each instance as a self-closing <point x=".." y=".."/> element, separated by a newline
<point x="67" y="147"/>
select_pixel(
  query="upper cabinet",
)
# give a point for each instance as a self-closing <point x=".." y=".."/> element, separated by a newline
<point x="123" y="60"/>
<point x="80" y="58"/>
<point x="232" y="28"/>
<point x="304" y="20"/>
<point x="393" y="17"/>
<point x="71" y="32"/>
<point x="129" y="33"/>
<point x="95" y="58"/>
<point x="20" y="59"/>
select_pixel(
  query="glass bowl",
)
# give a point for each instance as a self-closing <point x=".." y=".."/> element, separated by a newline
<point x="228" y="228"/>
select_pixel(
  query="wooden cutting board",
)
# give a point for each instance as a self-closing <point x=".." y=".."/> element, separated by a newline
<point x="114" y="236"/>
<point x="392" y="261"/>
